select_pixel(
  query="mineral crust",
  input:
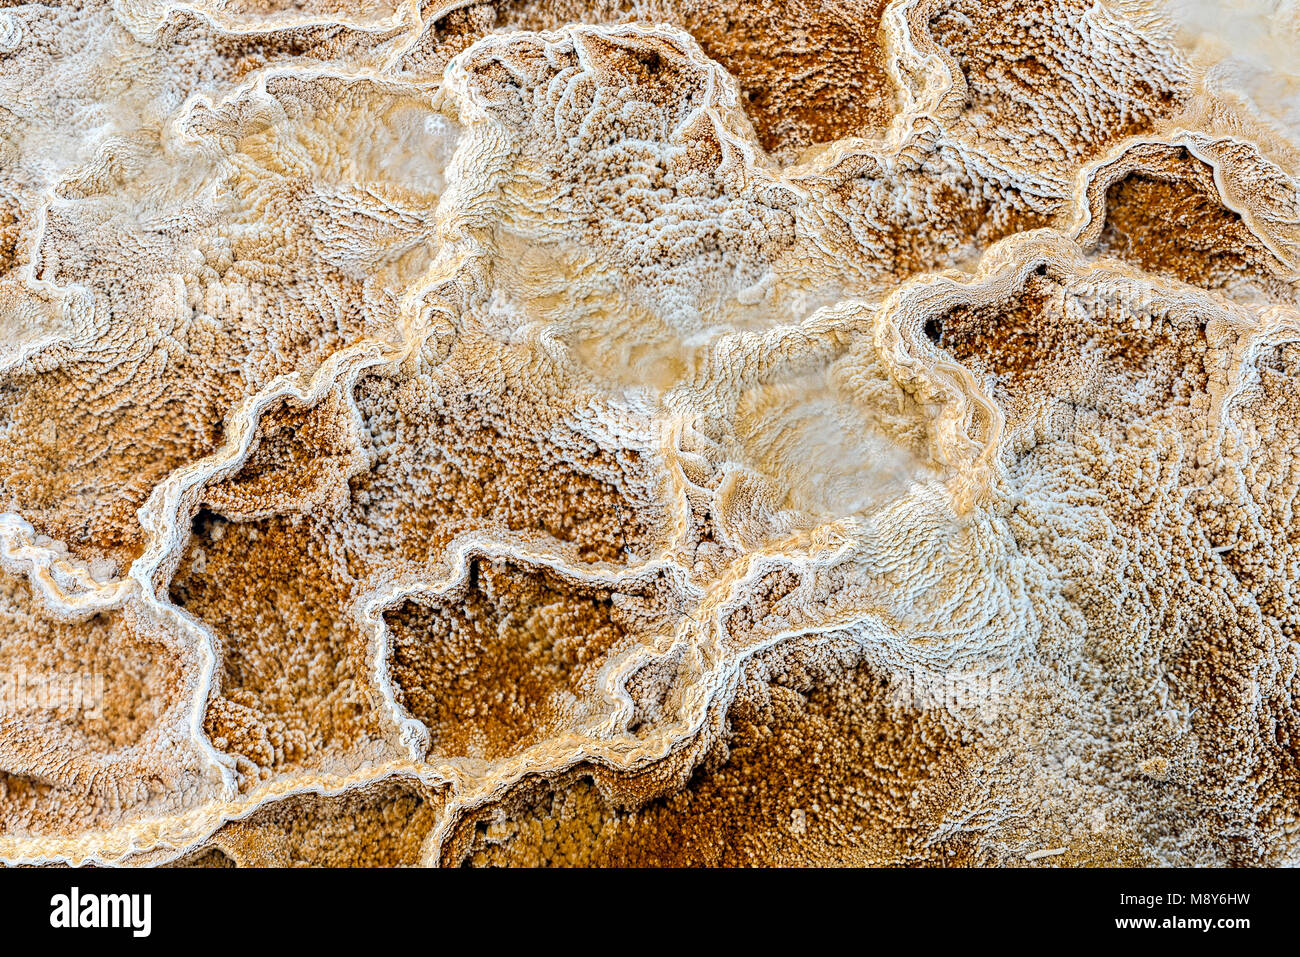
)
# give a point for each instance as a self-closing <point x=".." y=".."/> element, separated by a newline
<point x="639" y="432"/>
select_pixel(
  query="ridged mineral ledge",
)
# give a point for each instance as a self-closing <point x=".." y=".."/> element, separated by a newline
<point x="649" y="431"/>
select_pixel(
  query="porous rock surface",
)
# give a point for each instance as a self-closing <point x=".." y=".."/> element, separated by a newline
<point x="647" y="432"/>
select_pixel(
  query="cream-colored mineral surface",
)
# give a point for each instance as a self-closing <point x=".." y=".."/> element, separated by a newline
<point x="649" y="432"/>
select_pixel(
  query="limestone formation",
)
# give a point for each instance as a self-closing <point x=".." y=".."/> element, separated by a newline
<point x="608" y="432"/>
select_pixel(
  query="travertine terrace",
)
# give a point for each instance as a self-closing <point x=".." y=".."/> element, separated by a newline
<point x="649" y="432"/>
